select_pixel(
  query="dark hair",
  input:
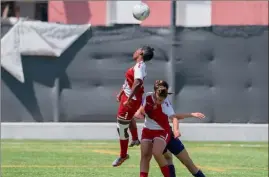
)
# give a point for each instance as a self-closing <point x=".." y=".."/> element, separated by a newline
<point x="161" y="83"/>
<point x="162" y="92"/>
<point x="148" y="53"/>
<point x="161" y="88"/>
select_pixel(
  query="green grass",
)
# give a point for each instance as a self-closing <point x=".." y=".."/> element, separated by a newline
<point x="94" y="158"/>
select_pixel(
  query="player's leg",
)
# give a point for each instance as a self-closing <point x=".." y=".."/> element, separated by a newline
<point x="124" y="117"/>
<point x="133" y="129"/>
<point x="122" y="128"/>
<point x="168" y="156"/>
<point x="178" y="149"/>
<point x="146" y="154"/>
<point x="184" y="157"/>
<point x="159" y="145"/>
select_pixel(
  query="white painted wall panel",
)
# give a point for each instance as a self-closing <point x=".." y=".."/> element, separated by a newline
<point x="120" y="12"/>
<point x="194" y="13"/>
<point x="91" y="131"/>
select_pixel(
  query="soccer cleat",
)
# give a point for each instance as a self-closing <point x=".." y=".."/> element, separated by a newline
<point x="119" y="161"/>
<point x="134" y="143"/>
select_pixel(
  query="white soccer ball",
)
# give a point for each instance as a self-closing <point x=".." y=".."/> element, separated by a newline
<point x="141" y="11"/>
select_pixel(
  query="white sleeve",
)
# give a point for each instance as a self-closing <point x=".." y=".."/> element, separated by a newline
<point x="169" y="111"/>
<point x="144" y="100"/>
<point x="140" y="71"/>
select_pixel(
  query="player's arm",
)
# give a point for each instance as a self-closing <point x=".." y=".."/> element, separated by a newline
<point x="188" y="115"/>
<point x="137" y="84"/>
<point x="175" y="124"/>
<point x="120" y="92"/>
<point x="140" y="113"/>
<point x="175" y="117"/>
<point x="119" y="95"/>
<point x="139" y="74"/>
<point x="176" y="131"/>
<point x="171" y="114"/>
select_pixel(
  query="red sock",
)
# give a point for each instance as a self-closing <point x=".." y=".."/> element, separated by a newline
<point x="123" y="147"/>
<point x="134" y="133"/>
<point x="143" y="174"/>
<point x="165" y="171"/>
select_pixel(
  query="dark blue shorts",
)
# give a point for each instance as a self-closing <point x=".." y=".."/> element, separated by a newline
<point x="175" y="146"/>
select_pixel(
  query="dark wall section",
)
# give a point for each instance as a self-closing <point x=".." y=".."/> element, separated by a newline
<point x="34" y="99"/>
<point x="97" y="71"/>
<point x="224" y="72"/>
<point x="221" y="71"/>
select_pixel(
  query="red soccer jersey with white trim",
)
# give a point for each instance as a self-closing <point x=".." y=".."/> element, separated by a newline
<point x="157" y="116"/>
<point x="136" y="72"/>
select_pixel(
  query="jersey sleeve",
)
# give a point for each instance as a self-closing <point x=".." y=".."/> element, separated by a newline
<point x="140" y="71"/>
<point x="144" y="101"/>
<point x="169" y="110"/>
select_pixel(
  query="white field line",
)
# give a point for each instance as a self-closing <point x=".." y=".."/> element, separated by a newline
<point x="58" y="143"/>
<point x="235" y="145"/>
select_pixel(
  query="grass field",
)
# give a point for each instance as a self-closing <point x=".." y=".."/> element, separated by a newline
<point x="94" y="158"/>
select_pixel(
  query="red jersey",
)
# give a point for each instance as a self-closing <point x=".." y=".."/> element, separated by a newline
<point x="136" y="72"/>
<point x="157" y="114"/>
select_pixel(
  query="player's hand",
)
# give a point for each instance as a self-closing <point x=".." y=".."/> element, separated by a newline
<point x="176" y="134"/>
<point x="198" y="115"/>
<point x="139" y="115"/>
<point x="126" y="103"/>
<point x="119" y="97"/>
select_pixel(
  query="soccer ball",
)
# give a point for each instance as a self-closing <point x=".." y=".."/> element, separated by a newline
<point x="141" y="11"/>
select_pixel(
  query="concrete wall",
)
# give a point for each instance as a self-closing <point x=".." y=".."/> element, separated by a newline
<point x="220" y="71"/>
<point x="90" y="131"/>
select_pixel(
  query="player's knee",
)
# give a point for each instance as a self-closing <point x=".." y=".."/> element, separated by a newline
<point x="168" y="156"/>
<point x="145" y="153"/>
<point x="158" y="149"/>
<point x="146" y="156"/>
<point x="123" y="130"/>
<point x="157" y="153"/>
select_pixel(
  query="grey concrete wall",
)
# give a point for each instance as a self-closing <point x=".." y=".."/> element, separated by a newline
<point x="89" y="131"/>
<point x="221" y="71"/>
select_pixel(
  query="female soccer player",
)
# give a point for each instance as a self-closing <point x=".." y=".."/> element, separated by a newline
<point x="176" y="147"/>
<point x="156" y="132"/>
<point x="130" y="98"/>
